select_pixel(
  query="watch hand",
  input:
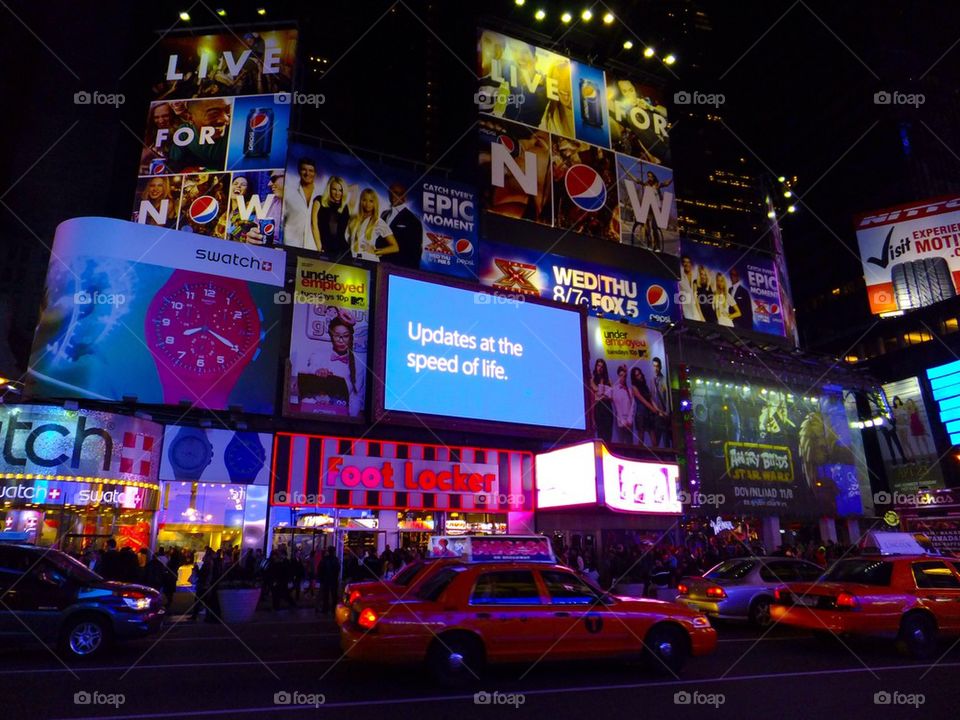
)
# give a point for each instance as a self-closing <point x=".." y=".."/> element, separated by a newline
<point x="222" y="339"/>
<point x="191" y="331"/>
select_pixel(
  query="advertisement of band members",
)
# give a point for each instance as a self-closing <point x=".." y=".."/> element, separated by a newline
<point x="627" y="374"/>
<point x="732" y="288"/>
<point x="327" y="372"/>
<point x="576" y="186"/>
<point x="345" y="208"/>
<point x="541" y="89"/>
<point x="158" y="315"/>
<point x="638" y="120"/>
<point x="216" y="136"/>
<point x="910" y="456"/>
<point x="910" y="253"/>
<point x="458" y="353"/>
<point x="635" y="298"/>
<point x="765" y="450"/>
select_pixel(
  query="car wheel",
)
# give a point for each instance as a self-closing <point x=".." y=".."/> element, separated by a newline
<point x="86" y="637"/>
<point x="918" y="634"/>
<point x="455" y="660"/>
<point x="760" y="612"/>
<point x="667" y="648"/>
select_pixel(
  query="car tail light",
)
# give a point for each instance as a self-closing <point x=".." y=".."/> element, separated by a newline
<point x="847" y="601"/>
<point x="682" y="589"/>
<point x="368" y="618"/>
<point x="715" y="591"/>
<point x="353" y="597"/>
<point x="781" y="594"/>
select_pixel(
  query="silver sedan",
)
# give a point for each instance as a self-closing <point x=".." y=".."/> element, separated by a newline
<point x="742" y="588"/>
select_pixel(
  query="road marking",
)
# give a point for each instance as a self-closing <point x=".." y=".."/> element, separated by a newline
<point x="166" y="666"/>
<point x="204" y="638"/>
<point x="540" y="691"/>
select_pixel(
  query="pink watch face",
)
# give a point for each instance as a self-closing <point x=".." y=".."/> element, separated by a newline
<point x="205" y="328"/>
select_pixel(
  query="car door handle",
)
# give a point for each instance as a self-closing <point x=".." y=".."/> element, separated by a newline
<point x="561" y="614"/>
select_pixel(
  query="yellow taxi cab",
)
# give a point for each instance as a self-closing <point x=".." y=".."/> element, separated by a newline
<point x="507" y="600"/>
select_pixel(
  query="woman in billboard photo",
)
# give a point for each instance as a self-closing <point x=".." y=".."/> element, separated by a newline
<point x="704" y="292"/>
<point x="342" y="376"/>
<point x="624" y="409"/>
<point x="558" y="117"/>
<point x="901" y="423"/>
<point x="645" y="413"/>
<point x="368" y="235"/>
<point x="723" y="303"/>
<point x="920" y="444"/>
<point x="329" y="217"/>
<point x="602" y="400"/>
<point x="159" y="193"/>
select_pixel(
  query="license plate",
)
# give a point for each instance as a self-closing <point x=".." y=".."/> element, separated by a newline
<point x="810" y="602"/>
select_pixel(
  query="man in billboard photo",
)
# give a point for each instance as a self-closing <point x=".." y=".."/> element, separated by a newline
<point x="273" y="210"/>
<point x="688" y="291"/>
<point x="205" y="151"/>
<point x="297" y="231"/>
<point x="405" y="227"/>
<point x="163" y="118"/>
<point x="329" y="216"/>
<point x="340" y="375"/>
<point x="661" y="399"/>
<point x="623" y="409"/>
<point x="741" y="296"/>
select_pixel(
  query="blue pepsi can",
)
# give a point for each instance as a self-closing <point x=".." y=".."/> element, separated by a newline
<point x="267" y="228"/>
<point x="158" y="166"/>
<point x="590" y="103"/>
<point x="258" y="134"/>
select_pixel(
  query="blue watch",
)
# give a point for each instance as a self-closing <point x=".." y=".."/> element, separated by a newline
<point x="190" y="453"/>
<point x="244" y="457"/>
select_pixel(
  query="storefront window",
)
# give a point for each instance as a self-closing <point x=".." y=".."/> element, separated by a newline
<point x="194" y="515"/>
<point x="475" y="524"/>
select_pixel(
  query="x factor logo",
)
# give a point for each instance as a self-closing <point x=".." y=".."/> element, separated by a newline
<point x="515" y="276"/>
<point x="439" y="243"/>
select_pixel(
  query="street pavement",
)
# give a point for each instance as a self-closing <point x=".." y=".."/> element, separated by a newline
<point x="196" y="670"/>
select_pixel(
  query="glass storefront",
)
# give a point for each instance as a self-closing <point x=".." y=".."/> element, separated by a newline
<point x="194" y="516"/>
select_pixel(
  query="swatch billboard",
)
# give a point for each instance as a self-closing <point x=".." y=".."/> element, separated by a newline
<point x="160" y="315"/>
<point x="546" y="153"/>
<point x="216" y="135"/>
<point x="731" y="288"/>
<point x="910" y="253"/>
<point x="346" y="208"/>
<point x="636" y="298"/>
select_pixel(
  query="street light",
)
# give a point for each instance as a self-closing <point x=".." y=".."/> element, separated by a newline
<point x="791" y="208"/>
<point x="627" y="44"/>
<point x="520" y="3"/>
<point x="608" y="18"/>
<point x="788" y="194"/>
<point x="649" y="52"/>
<point x="587" y="15"/>
<point x="670" y="59"/>
<point x="540" y="14"/>
<point x="566" y="18"/>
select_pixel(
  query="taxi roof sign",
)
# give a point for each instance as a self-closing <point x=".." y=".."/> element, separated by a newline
<point x="892" y="543"/>
<point x="492" y="548"/>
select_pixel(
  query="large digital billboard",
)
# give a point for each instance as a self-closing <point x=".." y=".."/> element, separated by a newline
<point x="629" y="382"/>
<point x="327" y="372"/>
<point x="765" y="450"/>
<point x="733" y="288"/>
<point x="346" y="208"/>
<point x="551" y="153"/>
<point x="636" y="298"/>
<point x="159" y="315"/>
<point x="215" y="142"/>
<point x="210" y="455"/>
<point x="459" y="352"/>
<point x="909" y="254"/>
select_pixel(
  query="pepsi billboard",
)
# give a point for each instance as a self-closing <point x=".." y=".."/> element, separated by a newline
<point x="635" y="298"/>
<point x="216" y="136"/>
<point x="347" y="209"/>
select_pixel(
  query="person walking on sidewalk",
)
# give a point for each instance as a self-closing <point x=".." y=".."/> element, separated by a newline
<point x="329" y="576"/>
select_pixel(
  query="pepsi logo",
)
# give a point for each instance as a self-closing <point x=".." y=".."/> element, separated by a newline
<point x="657" y="297"/>
<point x="585" y="188"/>
<point x="268" y="229"/>
<point x="464" y="247"/>
<point x="204" y="209"/>
<point x="507" y="142"/>
<point x="774" y="309"/>
<point x="259" y="120"/>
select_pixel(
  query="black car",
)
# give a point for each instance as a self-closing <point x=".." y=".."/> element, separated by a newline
<point x="46" y="595"/>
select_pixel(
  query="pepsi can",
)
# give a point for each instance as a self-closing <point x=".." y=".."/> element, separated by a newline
<point x="268" y="229"/>
<point x="158" y="166"/>
<point x="590" y="103"/>
<point x="258" y="136"/>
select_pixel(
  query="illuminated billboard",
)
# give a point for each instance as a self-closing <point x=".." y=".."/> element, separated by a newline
<point x="159" y="315"/>
<point x="215" y="455"/>
<point x="909" y="254"/>
<point x="459" y="352"/>
<point x="216" y="135"/>
<point x="910" y="456"/>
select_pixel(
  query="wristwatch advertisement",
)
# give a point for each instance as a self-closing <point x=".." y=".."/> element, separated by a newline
<point x="216" y="455"/>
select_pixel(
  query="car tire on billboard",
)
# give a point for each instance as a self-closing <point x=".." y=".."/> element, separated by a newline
<point x="919" y="283"/>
